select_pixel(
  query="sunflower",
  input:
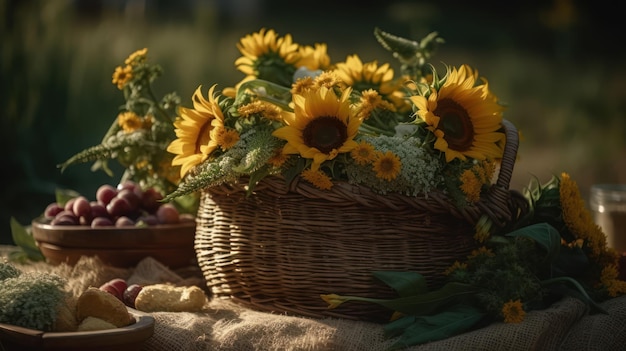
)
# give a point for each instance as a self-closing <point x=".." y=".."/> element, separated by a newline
<point x="196" y="131"/>
<point x="464" y="117"/>
<point x="364" y="76"/>
<point x="314" y="58"/>
<point x="321" y="127"/>
<point x="268" y="56"/>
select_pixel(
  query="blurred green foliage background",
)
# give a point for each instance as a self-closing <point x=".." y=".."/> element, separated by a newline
<point x="558" y="64"/>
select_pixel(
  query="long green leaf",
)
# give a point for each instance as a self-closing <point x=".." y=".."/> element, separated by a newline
<point x="422" y="304"/>
<point x="457" y="319"/>
<point x="25" y="241"/>
<point x="558" y="285"/>
<point x="404" y="283"/>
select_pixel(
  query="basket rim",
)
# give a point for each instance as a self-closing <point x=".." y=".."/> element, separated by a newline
<point x="496" y="204"/>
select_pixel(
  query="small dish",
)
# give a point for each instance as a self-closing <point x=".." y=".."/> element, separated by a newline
<point x="170" y="244"/>
<point x="129" y="338"/>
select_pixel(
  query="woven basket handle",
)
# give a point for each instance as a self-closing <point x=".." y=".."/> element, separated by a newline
<point x="509" y="156"/>
<point x="502" y="204"/>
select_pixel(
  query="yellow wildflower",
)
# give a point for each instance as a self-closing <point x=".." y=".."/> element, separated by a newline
<point x="317" y="178"/>
<point x="513" y="311"/>
<point x="363" y="153"/>
<point x="387" y="165"/>
<point x="129" y="121"/>
<point x="136" y="57"/>
<point x="470" y="185"/>
<point x="578" y="219"/>
<point x="278" y="159"/>
<point x="267" y="110"/>
<point x="227" y="138"/>
<point x="609" y="279"/>
<point x="122" y="76"/>
<point x="480" y="252"/>
<point x="455" y="266"/>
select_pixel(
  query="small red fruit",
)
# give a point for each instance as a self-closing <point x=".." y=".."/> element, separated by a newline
<point x="116" y="287"/>
<point x="130" y="294"/>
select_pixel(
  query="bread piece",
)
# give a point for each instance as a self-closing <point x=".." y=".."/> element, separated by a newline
<point x="93" y="323"/>
<point x="94" y="302"/>
<point x="170" y="298"/>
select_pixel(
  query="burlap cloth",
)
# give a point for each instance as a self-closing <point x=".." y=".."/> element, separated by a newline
<point x="223" y="325"/>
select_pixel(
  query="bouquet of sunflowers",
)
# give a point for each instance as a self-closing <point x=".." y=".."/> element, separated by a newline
<point x="297" y="114"/>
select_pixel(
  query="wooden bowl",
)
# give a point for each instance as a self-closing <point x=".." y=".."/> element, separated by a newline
<point x="129" y="338"/>
<point x="170" y="244"/>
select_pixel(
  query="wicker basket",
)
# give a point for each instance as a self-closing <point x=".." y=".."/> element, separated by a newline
<point x="280" y="248"/>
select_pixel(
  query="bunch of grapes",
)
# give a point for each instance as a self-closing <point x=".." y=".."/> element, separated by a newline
<point x="122" y="206"/>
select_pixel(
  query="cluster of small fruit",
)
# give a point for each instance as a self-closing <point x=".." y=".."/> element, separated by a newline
<point x="119" y="288"/>
<point x="122" y="206"/>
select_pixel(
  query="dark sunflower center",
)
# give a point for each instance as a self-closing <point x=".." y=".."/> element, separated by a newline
<point x="325" y="133"/>
<point x="456" y="124"/>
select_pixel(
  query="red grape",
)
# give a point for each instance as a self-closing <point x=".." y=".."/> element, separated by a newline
<point x="125" y="205"/>
<point x="69" y="205"/>
<point x="127" y="184"/>
<point x="168" y="214"/>
<point x="149" y="219"/>
<point x="133" y="199"/>
<point x="52" y="210"/>
<point x="119" y="206"/>
<point x="124" y="221"/>
<point x="150" y="200"/>
<point x="130" y="294"/>
<point x="85" y="220"/>
<point x="105" y="193"/>
<point x="81" y="206"/>
<point x="64" y="220"/>
<point x="101" y="222"/>
<point x="98" y="210"/>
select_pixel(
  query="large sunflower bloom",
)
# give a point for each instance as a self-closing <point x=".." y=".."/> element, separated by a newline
<point x="196" y="131"/>
<point x="268" y="56"/>
<point x="321" y="127"/>
<point x="464" y="117"/>
<point x="364" y="76"/>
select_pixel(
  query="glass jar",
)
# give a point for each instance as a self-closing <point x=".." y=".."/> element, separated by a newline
<point x="608" y="205"/>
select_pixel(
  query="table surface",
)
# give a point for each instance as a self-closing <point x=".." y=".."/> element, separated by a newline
<point x="223" y="325"/>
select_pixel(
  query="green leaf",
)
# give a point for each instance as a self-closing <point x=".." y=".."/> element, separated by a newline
<point x="397" y="327"/>
<point x="404" y="283"/>
<point x="543" y="234"/>
<point x="63" y="195"/>
<point x="558" y="285"/>
<point x="23" y="239"/>
<point x="423" y="304"/>
<point x="455" y="320"/>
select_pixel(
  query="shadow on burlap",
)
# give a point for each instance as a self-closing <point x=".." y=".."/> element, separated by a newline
<point x="223" y="325"/>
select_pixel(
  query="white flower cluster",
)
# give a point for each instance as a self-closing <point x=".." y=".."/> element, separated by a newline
<point x="420" y="171"/>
